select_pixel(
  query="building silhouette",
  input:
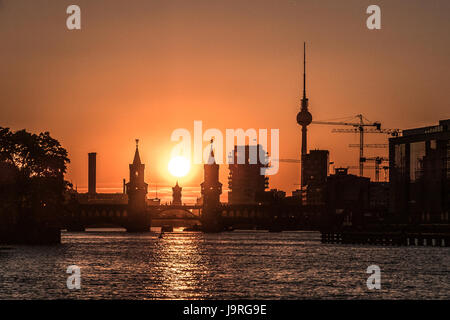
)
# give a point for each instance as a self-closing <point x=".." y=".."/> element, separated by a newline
<point x="245" y="181"/>
<point x="347" y="199"/>
<point x="315" y="171"/>
<point x="420" y="174"/>
<point x="92" y="173"/>
<point x="92" y="196"/>
<point x="316" y="167"/>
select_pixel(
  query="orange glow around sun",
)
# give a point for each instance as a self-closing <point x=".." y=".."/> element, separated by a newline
<point x="179" y="166"/>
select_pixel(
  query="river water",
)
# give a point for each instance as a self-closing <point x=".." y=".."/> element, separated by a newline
<point x="233" y="265"/>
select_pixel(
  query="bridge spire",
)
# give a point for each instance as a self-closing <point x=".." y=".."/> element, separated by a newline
<point x="211" y="159"/>
<point x="136" y="190"/>
<point x="176" y="195"/>
<point x="211" y="189"/>
<point x="137" y="158"/>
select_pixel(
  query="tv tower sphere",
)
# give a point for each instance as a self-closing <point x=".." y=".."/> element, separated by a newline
<point x="304" y="118"/>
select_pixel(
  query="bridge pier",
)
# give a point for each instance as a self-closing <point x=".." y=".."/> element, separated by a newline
<point x="211" y="225"/>
<point x="139" y="223"/>
<point x="135" y="228"/>
<point x="76" y="228"/>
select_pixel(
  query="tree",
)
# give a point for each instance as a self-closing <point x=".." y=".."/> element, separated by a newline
<point x="36" y="164"/>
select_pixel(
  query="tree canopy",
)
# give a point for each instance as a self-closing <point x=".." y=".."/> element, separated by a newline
<point x="35" y="165"/>
<point x="34" y="155"/>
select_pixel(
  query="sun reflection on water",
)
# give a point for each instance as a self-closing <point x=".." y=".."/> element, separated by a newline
<point x="183" y="265"/>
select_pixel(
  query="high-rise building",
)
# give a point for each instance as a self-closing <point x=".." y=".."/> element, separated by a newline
<point x="246" y="181"/>
<point x="315" y="167"/>
<point x="419" y="173"/>
<point x="315" y="171"/>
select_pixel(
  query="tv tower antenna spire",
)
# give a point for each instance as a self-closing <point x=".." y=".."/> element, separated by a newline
<point x="304" y="117"/>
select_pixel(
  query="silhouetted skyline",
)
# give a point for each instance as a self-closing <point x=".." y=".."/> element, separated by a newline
<point x="143" y="69"/>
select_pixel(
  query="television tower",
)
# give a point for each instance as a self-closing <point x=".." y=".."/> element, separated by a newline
<point x="304" y="117"/>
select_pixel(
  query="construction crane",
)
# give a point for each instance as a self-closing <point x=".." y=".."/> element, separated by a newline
<point x="378" y="161"/>
<point x="358" y="127"/>
<point x="289" y="160"/>
<point x="361" y="128"/>
<point x="377" y="169"/>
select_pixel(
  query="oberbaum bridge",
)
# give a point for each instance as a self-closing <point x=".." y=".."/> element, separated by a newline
<point x="133" y="211"/>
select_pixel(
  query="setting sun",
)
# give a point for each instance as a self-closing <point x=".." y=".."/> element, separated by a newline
<point x="179" y="166"/>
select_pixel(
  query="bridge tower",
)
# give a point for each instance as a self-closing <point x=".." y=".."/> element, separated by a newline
<point x="138" y="220"/>
<point x="176" y="195"/>
<point x="211" y="190"/>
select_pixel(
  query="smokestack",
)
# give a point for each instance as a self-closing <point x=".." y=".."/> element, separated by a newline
<point x="92" y="174"/>
<point x="124" y="187"/>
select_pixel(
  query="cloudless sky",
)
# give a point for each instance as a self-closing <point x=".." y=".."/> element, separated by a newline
<point x="140" y="69"/>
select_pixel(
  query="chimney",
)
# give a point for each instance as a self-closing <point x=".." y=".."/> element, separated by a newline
<point x="124" y="187"/>
<point x="92" y="174"/>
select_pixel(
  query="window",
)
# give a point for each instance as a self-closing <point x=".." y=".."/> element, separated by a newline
<point x="400" y="159"/>
<point x="433" y="144"/>
<point x="416" y="158"/>
<point x="448" y="159"/>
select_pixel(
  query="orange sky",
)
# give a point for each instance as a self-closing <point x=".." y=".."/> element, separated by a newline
<point x="140" y="69"/>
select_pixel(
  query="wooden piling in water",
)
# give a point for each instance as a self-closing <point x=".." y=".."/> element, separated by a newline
<point x="386" y="238"/>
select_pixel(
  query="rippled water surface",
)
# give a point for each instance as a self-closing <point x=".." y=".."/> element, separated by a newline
<point x="234" y="265"/>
